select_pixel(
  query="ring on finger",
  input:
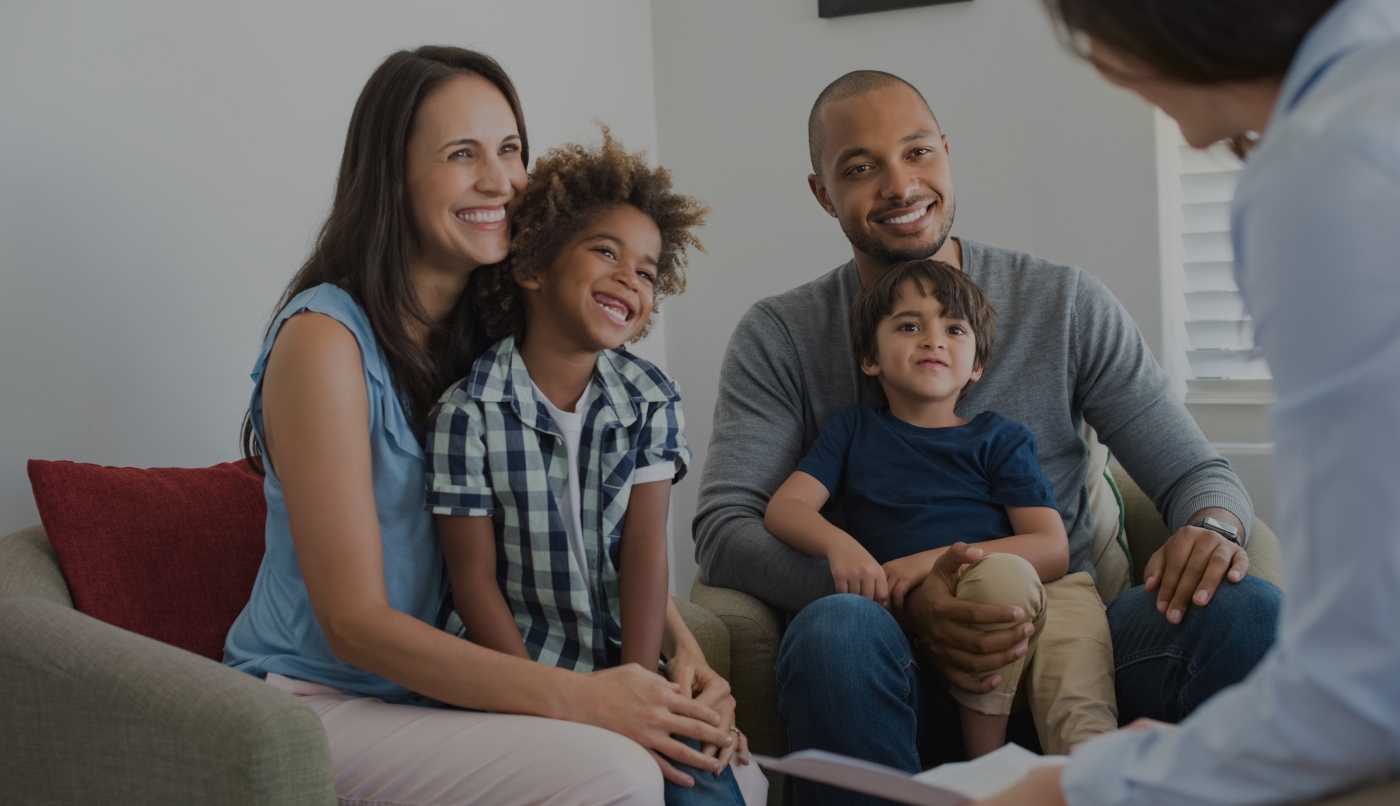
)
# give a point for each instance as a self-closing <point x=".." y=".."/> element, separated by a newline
<point x="736" y="730"/>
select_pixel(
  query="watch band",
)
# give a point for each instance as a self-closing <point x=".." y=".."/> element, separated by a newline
<point x="1221" y="528"/>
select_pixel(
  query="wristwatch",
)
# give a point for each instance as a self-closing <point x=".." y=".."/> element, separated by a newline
<point x="1221" y="528"/>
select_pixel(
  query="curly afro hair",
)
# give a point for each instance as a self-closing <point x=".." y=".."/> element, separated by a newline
<point x="568" y="187"/>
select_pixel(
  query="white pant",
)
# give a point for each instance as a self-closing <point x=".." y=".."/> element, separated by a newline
<point x="408" y="755"/>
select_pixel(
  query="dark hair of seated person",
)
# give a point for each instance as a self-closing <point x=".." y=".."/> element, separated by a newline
<point x="368" y="239"/>
<point x="1193" y="41"/>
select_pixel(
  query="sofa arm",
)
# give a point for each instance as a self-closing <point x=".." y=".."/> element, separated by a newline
<point x="91" y="713"/>
<point x="709" y="633"/>
<point x="755" y="631"/>
<point x="1147" y="532"/>
<point x="29" y="567"/>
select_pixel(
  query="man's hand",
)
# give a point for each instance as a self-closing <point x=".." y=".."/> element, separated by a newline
<point x="908" y="573"/>
<point x="946" y="627"/>
<point x="1189" y="567"/>
<point x="855" y="571"/>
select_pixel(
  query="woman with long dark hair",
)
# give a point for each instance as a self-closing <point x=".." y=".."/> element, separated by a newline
<point x="349" y="600"/>
<point x="1316" y="229"/>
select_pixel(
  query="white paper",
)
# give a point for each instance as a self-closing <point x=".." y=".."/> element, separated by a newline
<point x="948" y="785"/>
<point x="861" y="776"/>
<point x="990" y="774"/>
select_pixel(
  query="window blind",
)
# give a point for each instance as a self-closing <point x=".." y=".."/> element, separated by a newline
<point x="1221" y="356"/>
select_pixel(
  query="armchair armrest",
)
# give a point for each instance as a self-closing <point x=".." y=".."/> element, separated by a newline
<point x="1147" y="533"/>
<point x="709" y="633"/>
<point x="755" y="631"/>
<point x="91" y="713"/>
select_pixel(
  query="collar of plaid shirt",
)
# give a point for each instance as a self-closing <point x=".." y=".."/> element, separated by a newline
<point x="622" y="381"/>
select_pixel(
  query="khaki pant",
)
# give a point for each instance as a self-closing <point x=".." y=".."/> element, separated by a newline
<point x="1066" y="675"/>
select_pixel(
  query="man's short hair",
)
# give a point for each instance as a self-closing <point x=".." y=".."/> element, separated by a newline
<point x="960" y="297"/>
<point x="856" y="82"/>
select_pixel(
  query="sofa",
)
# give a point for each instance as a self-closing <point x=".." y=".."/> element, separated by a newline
<point x="755" y="631"/>
<point x="91" y="713"/>
<point x="94" y="714"/>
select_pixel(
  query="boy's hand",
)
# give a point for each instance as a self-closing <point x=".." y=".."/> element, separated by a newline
<point x="906" y="574"/>
<point x="855" y="571"/>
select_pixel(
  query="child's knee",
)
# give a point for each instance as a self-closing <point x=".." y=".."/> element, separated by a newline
<point x="1003" y="579"/>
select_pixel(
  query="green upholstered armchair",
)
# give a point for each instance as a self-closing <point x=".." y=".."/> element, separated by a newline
<point x="94" y="714"/>
<point x="755" y="630"/>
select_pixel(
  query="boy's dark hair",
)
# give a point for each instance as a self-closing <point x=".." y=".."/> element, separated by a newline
<point x="960" y="297"/>
<point x="568" y="188"/>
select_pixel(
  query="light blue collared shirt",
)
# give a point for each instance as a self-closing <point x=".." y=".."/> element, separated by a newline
<point x="1317" y="245"/>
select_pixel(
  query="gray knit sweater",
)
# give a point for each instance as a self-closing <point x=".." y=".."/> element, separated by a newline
<point x="1066" y="351"/>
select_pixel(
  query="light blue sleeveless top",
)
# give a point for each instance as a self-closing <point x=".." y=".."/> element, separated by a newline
<point x="277" y="631"/>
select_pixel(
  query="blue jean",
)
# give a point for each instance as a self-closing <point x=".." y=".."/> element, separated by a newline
<point x="848" y="681"/>
<point x="708" y="790"/>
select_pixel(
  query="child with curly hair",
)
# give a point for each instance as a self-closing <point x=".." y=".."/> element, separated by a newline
<point x="552" y="461"/>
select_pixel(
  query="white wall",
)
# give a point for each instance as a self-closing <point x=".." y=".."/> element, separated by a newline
<point x="164" y="167"/>
<point x="1046" y="157"/>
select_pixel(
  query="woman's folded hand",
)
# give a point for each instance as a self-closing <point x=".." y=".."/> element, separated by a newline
<point x="650" y="710"/>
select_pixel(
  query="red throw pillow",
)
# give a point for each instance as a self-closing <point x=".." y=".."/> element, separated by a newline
<point x="170" y="552"/>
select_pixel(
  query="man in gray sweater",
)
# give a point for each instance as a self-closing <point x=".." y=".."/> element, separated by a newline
<point x="1066" y="353"/>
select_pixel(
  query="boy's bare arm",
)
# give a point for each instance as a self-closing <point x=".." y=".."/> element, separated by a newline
<point x="1038" y="537"/>
<point x="794" y="517"/>
<point x="469" y="549"/>
<point x="643" y="573"/>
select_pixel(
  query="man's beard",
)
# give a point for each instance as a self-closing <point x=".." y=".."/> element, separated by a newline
<point x="879" y="250"/>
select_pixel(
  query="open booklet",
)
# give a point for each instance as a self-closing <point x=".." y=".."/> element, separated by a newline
<point x="947" y="785"/>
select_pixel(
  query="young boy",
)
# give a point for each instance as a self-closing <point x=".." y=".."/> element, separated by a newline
<point x="914" y="478"/>
<point x="552" y="461"/>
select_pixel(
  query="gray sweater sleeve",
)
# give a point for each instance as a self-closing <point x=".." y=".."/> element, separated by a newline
<point x="759" y="429"/>
<point x="1127" y="398"/>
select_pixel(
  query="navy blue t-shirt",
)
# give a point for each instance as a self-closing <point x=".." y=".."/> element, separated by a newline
<point x="905" y="489"/>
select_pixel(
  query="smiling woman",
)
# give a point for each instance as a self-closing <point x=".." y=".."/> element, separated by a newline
<point x="367" y="243"/>
<point x="348" y="604"/>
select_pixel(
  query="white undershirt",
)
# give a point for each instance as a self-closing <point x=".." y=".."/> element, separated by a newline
<point x="570" y="425"/>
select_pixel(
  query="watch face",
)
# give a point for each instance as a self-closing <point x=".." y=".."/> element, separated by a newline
<point x="1221" y="528"/>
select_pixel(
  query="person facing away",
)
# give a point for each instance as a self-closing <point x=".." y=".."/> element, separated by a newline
<point x="552" y="460"/>
<point x="1068" y="355"/>
<point x="1317" y="84"/>
<point x="914" y="478"/>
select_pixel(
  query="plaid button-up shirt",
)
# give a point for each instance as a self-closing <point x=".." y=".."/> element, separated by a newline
<point x="495" y="451"/>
